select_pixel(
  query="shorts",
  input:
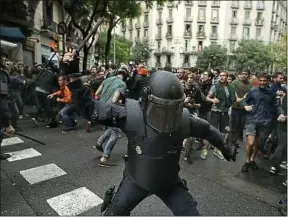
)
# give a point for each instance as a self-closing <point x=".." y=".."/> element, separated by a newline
<point x="220" y="120"/>
<point x="258" y="130"/>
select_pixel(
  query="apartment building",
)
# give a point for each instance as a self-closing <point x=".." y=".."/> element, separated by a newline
<point x="177" y="31"/>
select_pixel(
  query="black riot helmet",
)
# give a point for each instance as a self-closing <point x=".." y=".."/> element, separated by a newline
<point x="162" y="101"/>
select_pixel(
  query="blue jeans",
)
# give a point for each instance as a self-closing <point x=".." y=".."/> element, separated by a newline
<point x="112" y="135"/>
<point x="68" y="116"/>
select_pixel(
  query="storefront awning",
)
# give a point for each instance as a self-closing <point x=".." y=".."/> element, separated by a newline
<point x="11" y="33"/>
<point x="7" y="44"/>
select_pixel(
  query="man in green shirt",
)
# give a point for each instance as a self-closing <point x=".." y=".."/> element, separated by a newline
<point x="238" y="114"/>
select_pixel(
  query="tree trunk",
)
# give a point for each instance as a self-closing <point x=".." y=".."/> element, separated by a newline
<point x="85" y="57"/>
<point x="108" y="42"/>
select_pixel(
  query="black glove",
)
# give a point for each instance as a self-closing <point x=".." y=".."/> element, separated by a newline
<point x="229" y="153"/>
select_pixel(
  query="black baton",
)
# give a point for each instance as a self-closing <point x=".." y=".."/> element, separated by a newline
<point x="27" y="137"/>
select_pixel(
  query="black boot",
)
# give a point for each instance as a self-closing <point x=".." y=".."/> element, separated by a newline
<point x="5" y="156"/>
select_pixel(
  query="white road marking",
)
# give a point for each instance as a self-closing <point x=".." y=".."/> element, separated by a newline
<point x="74" y="202"/>
<point x="23" y="154"/>
<point x="42" y="173"/>
<point x="11" y="141"/>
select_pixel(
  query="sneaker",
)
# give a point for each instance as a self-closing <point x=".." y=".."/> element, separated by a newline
<point x="245" y="167"/>
<point x="218" y="154"/>
<point x="67" y="130"/>
<point x="35" y="121"/>
<point x="283" y="166"/>
<point x="253" y="165"/>
<point x="98" y="146"/>
<point x="285" y="183"/>
<point x="204" y="154"/>
<point x="20" y="116"/>
<point x="88" y="127"/>
<point x="188" y="160"/>
<point x="106" y="163"/>
<point x="274" y="170"/>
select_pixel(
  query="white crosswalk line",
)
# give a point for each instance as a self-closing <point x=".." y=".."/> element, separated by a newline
<point x="42" y="173"/>
<point x="74" y="202"/>
<point x="23" y="154"/>
<point x="11" y="141"/>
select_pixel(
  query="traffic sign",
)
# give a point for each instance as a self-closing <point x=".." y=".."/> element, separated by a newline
<point x="62" y="28"/>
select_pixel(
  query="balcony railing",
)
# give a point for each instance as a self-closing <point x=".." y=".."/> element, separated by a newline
<point x="169" y="35"/>
<point x="234" y="21"/>
<point x="215" y="4"/>
<point x="137" y="25"/>
<point x="130" y="27"/>
<point x="188" y="19"/>
<point x="259" y="22"/>
<point x="201" y="19"/>
<point x="247" y="22"/>
<point x="248" y="5"/>
<point x="137" y="39"/>
<point x="214" y="36"/>
<point x="202" y="3"/>
<point x="201" y="35"/>
<point x="187" y="34"/>
<point x="260" y="6"/>
<point x="169" y="20"/>
<point x="186" y="65"/>
<point x="158" y="36"/>
<point x="146" y="24"/>
<point x="233" y="38"/>
<point x="159" y="21"/>
<point x="215" y="20"/>
<point x="188" y="3"/>
<point x="246" y="37"/>
<point x="235" y="4"/>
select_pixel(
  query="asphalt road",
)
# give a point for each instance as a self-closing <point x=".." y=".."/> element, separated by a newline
<point x="216" y="185"/>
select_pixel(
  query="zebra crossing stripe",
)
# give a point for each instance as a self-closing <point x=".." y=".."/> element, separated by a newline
<point x="42" y="173"/>
<point x="23" y="154"/>
<point x="74" y="202"/>
<point x="11" y="141"/>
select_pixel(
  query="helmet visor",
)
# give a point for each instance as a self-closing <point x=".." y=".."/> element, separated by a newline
<point x="164" y="115"/>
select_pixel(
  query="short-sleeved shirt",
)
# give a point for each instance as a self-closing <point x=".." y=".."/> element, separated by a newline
<point x="110" y="85"/>
<point x="213" y="92"/>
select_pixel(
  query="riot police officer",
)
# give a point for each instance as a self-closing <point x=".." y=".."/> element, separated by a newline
<point x="155" y="127"/>
<point x="4" y="109"/>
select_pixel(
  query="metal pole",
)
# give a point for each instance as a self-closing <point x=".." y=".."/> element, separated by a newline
<point x="114" y="56"/>
<point x="63" y="36"/>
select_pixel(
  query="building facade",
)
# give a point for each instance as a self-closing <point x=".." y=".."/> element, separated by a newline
<point x="177" y="31"/>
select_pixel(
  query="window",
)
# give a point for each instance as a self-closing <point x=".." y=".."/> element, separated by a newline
<point x="246" y="32"/>
<point x="146" y="18"/>
<point x="159" y="45"/>
<point x="200" y="45"/>
<point x="214" y="30"/>
<point x="259" y="15"/>
<point x="200" y="28"/>
<point x="215" y="14"/>
<point x="169" y="59"/>
<point x="158" y="59"/>
<point x="234" y="14"/>
<point x="145" y="33"/>
<point x="138" y="21"/>
<point x="188" y="12"/>
<point x="186" y="59"/>
<point x="138" y="33"/>
<point x="232" y="46"/>
<point x="247" y="15"/>
<point x="186" y="45"/>
<point x="159" y="30"/>
<point x="170" y="12"/>
<point x="233" y="30"/>
<point x="201" y="15"/>
<point x="258" y="33"/>
<point x="160" y="14"/>
<point x="169" y="29"/>
<point x="130" y="22"/>
<point x="187" y="28"/>
<point x="248" y="4"/>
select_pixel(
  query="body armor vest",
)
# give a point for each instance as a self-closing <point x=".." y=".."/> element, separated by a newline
<point x="4" y="81"/>
<point x="153" y="162"/>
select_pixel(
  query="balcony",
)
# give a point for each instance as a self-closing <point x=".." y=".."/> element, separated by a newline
<point x="146" y="24"/>
<point x="233" y="38"/>
<point x="260" y="6"/>
<point x="158" y="65"/>
<point x="187" y="34"/>
<point x="188" y="51"/>
<point x="215" y="4"/>
<point x="49" y="29"/>
<point x="186" y="65"/>
<point x="273" y="25"/>
<point x="246" y="37"/>
<point x="215" y="20"/>
<point x="168" y="65"/>
<point x="146" y="10"/>
<point x="158" y="36"/>
<point x="188" y="3"/>
<point x="202" y="4"/>
<point x="123" y="29"/>
<point x="247" y="22"/>
<point x="248" y="5"/>
<point x="234" y="21"/>
<point x="201" y="19"/>
<point x="201" y="35"/>
<point x="188" y="19"/>
<point x="159" y="21"/>
<point x="213" y="36"/>
<point x="130" y="27"/>
<point x="137" y="26"/>
<point x="259" y="22"/>
<point x="160" y="7"/>
<point x="137" y="39"/>
<point x="235" y="5"/>
<point x="170" y="4"/>
<point x="169" y="35"/>
<point x="157" y="52"/>
<point x="146" y="39"/>
<point x="169" y="20"/>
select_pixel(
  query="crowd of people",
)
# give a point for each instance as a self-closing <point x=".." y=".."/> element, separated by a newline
<point x="246" y="104"/>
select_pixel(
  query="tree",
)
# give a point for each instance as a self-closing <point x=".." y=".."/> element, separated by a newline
<point x="252" y="55"/>
<point x="122" y="49"/>
<point x="141" y="51"/>
<point x="117" y="12"/>
<point x="85" y="16"/>
<point x="279" y="53"/>
<point x="213" y="56"/>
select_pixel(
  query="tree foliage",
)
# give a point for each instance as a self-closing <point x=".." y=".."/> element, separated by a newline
<point x="141" y="51"/>
<point x="213" y="56"/>
<point x="279" y="53"/>
<point x="252" y="55"/>
<point x="122" y="49"/>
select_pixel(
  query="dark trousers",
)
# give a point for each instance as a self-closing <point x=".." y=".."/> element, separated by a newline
<point x="14" y="113"/>
<point x="280" y="153"/>
<point x="67" y="114"/>
<point x="19" y="102"/>
<point x="238" y="121"/>
<point x="43" y="104"/>
<point x="4" y="116"/>
<point x="129" y="195"/>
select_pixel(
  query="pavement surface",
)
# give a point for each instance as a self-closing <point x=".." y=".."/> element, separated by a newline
<point x="63" y="178"/>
